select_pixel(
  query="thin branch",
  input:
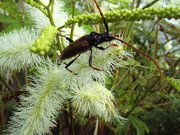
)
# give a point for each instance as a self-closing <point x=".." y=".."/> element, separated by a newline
<point x="6" y="84"/>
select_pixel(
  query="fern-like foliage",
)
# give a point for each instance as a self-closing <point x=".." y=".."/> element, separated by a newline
<point x="12" y="16"/>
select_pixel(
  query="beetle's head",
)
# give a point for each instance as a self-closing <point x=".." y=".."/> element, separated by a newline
<point x="107" y="37"/>
<point x="97" y="38"/>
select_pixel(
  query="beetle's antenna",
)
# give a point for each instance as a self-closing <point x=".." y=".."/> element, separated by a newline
<point x="145" y="55"/>
<point x="105" y="23"/>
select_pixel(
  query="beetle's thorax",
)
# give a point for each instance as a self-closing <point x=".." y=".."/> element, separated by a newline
<point x="95" y="39"/>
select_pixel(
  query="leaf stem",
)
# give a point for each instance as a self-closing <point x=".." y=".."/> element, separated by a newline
<point x="96" y="127"/>
<point x="73" y="14"/>
<point x="50" y="9"/>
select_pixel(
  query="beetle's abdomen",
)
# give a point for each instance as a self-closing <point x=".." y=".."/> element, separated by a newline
<point x="79" y="46"/>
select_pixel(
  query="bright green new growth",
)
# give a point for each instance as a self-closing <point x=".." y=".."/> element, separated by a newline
<point x="126" y="15"/>
<point x="43" y="43"/>
<point x="174" y="82"/>
<point x="35" y="4"/>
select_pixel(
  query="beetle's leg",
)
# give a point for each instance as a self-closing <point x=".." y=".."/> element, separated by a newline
<point x="121" y="34"/>
<point x="102" y="48"/>
<point x="90" y="61"/>
<point x="111" y="45"/>
<point x="69" y="39"/>
<point x="71" y="62"/>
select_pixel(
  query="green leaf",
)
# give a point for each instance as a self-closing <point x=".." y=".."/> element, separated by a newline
<point x="11" y="17"/>
<point x="139" y="125"/>
<point x="174" y="82"/>
<point x="11" y="8"/>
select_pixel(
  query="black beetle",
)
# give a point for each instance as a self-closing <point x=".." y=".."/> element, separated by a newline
<point x="85" y="43"/>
